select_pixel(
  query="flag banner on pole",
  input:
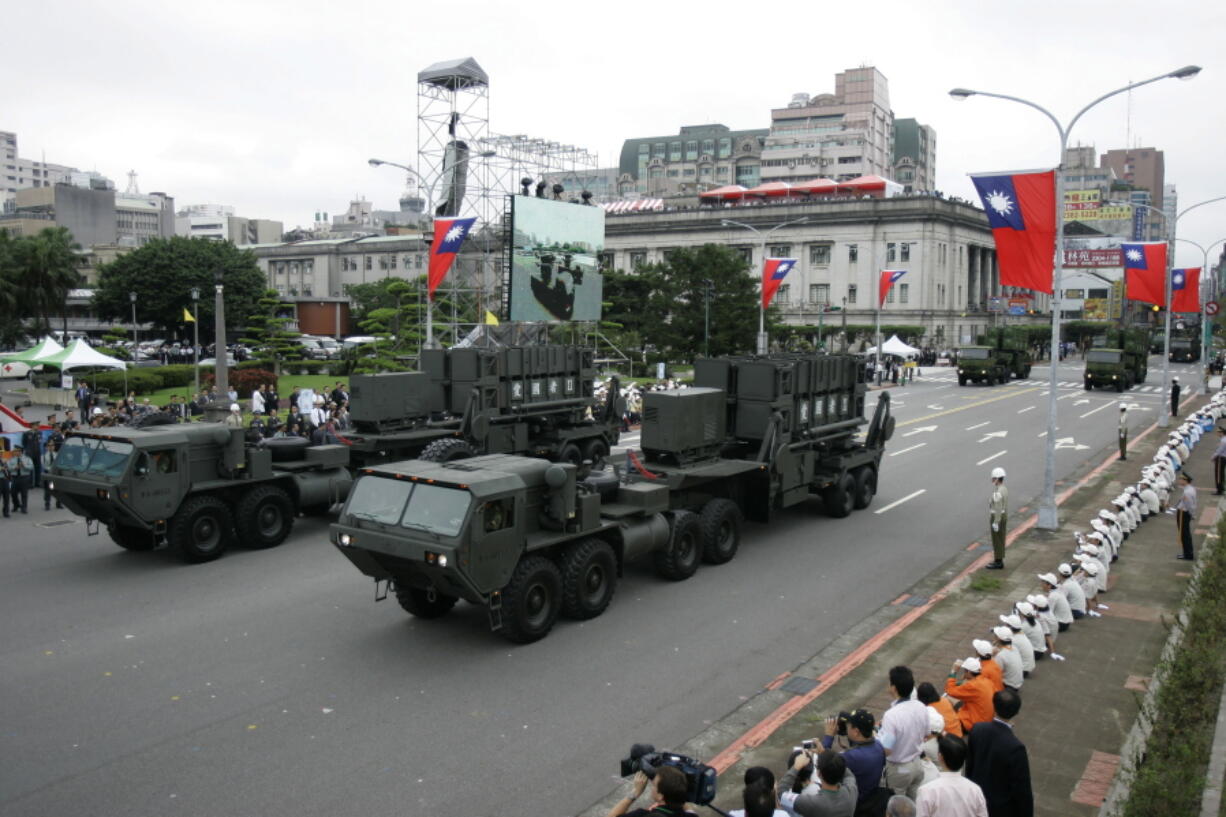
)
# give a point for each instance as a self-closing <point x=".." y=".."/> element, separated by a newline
<point x="888" y="277"/>
<point x="773" y="273"/>
<point x="187" y="316"/>
<point x="449" y="234"/>
<point x="1021" y="210"/>
<point x="1185" y="290"/>
<point x="490" y="318"/>
<point x="1145" y="271"/>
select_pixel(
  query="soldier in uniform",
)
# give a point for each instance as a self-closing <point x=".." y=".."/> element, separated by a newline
<point x="1174" y="396"/>
<point x="1219" y="461"/>
<point x="998" y="516"/>
<point x="21" y="471"/>
<point x="1123" y="431"/>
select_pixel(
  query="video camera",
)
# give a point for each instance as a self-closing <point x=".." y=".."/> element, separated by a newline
<point x="699" y="777"/>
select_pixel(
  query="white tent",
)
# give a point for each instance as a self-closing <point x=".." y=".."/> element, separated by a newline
<point x="45" y="348"/>
<point x="894" y="346"/>
<point x="80" y="355"/>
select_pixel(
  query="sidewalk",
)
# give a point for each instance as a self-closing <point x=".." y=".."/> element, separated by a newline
<point x="1076" y="715"/>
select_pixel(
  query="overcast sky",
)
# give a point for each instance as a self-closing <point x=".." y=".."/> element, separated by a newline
<point x="274" y="107"/>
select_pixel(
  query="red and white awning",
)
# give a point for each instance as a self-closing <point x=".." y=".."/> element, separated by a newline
<point x="633" y="205"/>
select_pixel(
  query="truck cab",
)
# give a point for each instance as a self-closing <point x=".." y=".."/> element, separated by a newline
<point x="982" y="364"/>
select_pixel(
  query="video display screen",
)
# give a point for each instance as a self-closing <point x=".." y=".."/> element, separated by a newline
<point x="555" y="249"/>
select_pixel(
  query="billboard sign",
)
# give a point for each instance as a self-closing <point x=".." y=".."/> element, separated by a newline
<point x="555" y="269"/>
<point x="1093" y="258"/>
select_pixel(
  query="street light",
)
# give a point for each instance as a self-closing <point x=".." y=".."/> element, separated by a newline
<point x="1048" y="517"/>
<point x="135" y="344"/>
<point x="762" y="236"/>
<point x="196" y="338"/>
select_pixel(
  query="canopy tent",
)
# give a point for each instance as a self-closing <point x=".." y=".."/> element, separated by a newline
<point x="816" y="186"/>
<point x="44" y="349"/>
<point x="770" y="189"/>
<point x="80" y="355"/>
<point x="729" y="192"/>
<point x="864" y="183"/>
<point x="894" y="346"/>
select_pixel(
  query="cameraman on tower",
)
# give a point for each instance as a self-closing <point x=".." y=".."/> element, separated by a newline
<point x="668" y="791"/>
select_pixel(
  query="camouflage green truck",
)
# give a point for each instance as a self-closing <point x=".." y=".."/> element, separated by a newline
<point x="1117" y="359"/>
<point x="529" y="540"/>
<point x="1001" y="354"/>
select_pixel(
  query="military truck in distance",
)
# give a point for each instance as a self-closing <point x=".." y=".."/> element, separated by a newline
<point x="1000" y="354"/>
<point x="1185" y="348"/>
<point x="533" y="400"/>
<point x="196" y="487"/>
<point x="531" y="540"/>
<point x="1117" y="359"/>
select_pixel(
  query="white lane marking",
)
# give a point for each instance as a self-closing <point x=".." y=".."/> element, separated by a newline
<point x="987" y="435"/>
<point x="1100" y="408"/>
<point x="994" y="456"/>
<point x="898" y="502"/>
<point x="920" y="430"/>
<point x="1042" y="434"/>
<point x="980" y="425"/>
<point x="905" y="450"/>
<point x="1028" y="408"/>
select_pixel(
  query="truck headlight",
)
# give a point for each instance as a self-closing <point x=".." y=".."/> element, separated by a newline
<point x="1114" y="377"/>
<point x="345" y="539"/>
<point x="961" y="372"/>
<point x="442" y="560"/>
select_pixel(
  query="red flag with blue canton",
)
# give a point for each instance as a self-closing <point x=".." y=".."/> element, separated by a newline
<point x="1021" y="209"/>
<point x="1145" y="271"/>
<point x="1185" y="290"/>
<point x="449" y="234"/>
<point x="773" y="273"/>
<point x="888" y="277"/>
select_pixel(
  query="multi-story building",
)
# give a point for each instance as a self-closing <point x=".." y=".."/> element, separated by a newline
<point x="945" y="246"/>
<point x="841" y="136"/>
<point x="697" y="158"/>
<point x="915" y="156"/>
<point x="18" y="173"/>
<point x="329" y="266"/>
<point x="217" y="222"/>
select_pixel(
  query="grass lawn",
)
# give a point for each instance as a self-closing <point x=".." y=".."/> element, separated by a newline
<point x="285" y="385"/>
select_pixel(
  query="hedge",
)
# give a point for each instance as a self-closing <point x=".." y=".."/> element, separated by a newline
<point x="244" y="381"/>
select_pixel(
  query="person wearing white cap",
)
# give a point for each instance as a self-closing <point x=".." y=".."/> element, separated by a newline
<point x="1123" y="431"/>
<point x="1149" y="496"/>
<point x="966" y="684"/>
<point x="1007" y="658"/>
<point x="1112" y="530"/>
<point x="1071" y="589"/>
<point x="1179" y="444"/>
<point x="1020" y="642"/>
<point x="1087" y="577"/>
<point x="1060" y="608"/>
<point x="998" y="518"/>
<point x="235" y="418"/>
<point x="1122" y="516"/>
<point x="929" y="754"/>
<point x="1092" y="552"/>
<point x="1031" y="628"/>
<point x="988" y="668"/>
<point x="1048" y="621"/>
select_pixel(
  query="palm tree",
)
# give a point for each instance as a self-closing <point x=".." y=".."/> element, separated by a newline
<point x="46" y="269"/>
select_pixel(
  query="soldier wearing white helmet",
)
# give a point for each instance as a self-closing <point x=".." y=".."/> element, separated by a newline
<point x="1174" y="396"/>
<point x="235" y="418"/>
<point x="998" y="518"/>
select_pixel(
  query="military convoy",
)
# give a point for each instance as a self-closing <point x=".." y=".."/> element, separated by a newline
<point x="1117" y="359"/>
<point x="530" y="540"/>
<point x="199" y="487"/>
<point x="1001" y="353"/>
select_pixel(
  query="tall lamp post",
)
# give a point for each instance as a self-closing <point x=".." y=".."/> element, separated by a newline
<point x="196" y="339"/>
<point x="707" y="291"/>
<point x="762" y="237"/>
<point x="1048" y="517"/>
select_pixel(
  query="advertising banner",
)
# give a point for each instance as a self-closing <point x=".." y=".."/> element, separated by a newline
<point x="1093" y="258"/>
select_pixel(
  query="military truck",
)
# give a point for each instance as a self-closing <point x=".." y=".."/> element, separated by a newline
<point x="1000" y="354"/>
<point x="1185" y="347"/>
<point x="1117" y="359"/>
<point x="200" y="487"/>
<point x="197" y="487"/>
<point x="531" y="540"/>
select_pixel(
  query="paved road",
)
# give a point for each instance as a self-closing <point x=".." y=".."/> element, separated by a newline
<point x="269" y="683"/>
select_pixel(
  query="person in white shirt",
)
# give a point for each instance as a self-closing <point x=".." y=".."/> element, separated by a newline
<point x="1007" y="658"/>
<point x="903" y="729"/>
<point x="319" y="414"/>
<point x="951" y="794"/>
<point x="306" y="401"/>
<point x="1020" y="642"/>
<point x="1072" y="591"/>
<point x="257" y="401"/>
<point x="1153" y="503"/>
<point x="1060" y="609"/>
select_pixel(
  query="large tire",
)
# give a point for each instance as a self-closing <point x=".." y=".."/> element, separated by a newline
<point x="866" y="487"/>
<point x="447" y="449"/>
<point x="1089" y="386"/>
<point x="570" y="453"/>
<point x="531" y="601"/>
<point x="589" y="578"/>
<point x="679" y="559"/>
<point x="427" y="603"/>
<point x="839" y="498"/>
<point x="264" y="517"/>
<point x="1026" y="373"/>
<point x="201" y="530"/>
<point x="961" y="380"/>
<point x="132" y="539"/>
<point x="1119" y="385"/>
<point x="595" y="451"/>
<point x="721" y="522"/>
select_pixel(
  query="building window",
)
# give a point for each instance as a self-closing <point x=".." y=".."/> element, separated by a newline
<point x="849" y="160"/>
<point x="819" y="294"/>
<point x="658" y="150"/>
<point x="889" y="295"/>
<point x="725" y="148"/>
<point x="784" y="294"/>
<point x="691" y="151"/>
<point x="722" y="170"/>
<point x="644" y="149"/>
<point x="780" y="250"/>
<point x="672" y="174"/>
<point x="819" y="255"/>
<point x="674" y="151"/>
<point x="891" y="253"/>
<point x="369" y="262"/>
<point x="705" y="171"/>
<point x="904" y="252"/>
<point x="746" y="254"/>
<point x="688" y="172"/>
<point x="903" y="293"/>
<point x="637" y="259"/>
<point x="851" y="293"/>
<point x="853" y="253"/>
<point x="708" y="147"/>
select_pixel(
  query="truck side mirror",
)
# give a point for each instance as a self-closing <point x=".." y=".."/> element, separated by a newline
<point x="141" y="469"/>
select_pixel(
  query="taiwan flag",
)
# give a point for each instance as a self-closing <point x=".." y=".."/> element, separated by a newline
<point x="1021" y="209"/>
<point x="1145" y="271"/>
<point x="888" y="277"/>
<point x="449" y="234"/>
<point x="773" y="273"/>
<point x="1185" y="290"/>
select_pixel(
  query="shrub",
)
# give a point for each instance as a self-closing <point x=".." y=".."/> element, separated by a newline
<point x="141" y="381"/>
<point x="244" y="381"/>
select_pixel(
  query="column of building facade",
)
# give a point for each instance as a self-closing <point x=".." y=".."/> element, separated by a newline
<point x="985" y="273"/>
<point x="972" y="281"/>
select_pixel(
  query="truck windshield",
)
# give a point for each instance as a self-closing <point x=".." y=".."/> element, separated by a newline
<point x="86" y="455"/>
<point x="1102" y="356"/>
<point x="413" y="505"/>
<point x="973" y="354"/>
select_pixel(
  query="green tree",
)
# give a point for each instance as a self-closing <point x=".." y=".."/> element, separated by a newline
<point x="267" y="334"/>
<point x="45" y="267"/>
<point x="162" y="274"/>
<point x="392" y="310"/>
<point x="10" y="317"/>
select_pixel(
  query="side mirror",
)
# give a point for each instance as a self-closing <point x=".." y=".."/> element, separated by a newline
<point x="142" y="465"/>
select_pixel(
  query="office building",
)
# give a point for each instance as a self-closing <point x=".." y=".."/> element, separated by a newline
<point x="217" y="222"/>
<point x="19" y="173"/>
<point x="915" y="156"/>
<point x="696" y="158"/>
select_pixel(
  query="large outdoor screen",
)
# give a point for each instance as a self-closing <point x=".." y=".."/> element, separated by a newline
<point x="555" y="249"/>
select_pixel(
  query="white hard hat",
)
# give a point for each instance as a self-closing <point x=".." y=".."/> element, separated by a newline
<point x="998" y="473"/>
<point x="234" y="407"/>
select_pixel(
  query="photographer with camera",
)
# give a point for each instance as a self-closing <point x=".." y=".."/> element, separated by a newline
<point x="864" y="756"/>
<point x="836" y="792"/>
<point x="668" y="792"/>
<point x="678" y="780"/>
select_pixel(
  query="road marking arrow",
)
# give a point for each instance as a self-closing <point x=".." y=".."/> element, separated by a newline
<point x="1081" y="402"/>
<point x="978" y="425"/>
<point x="935" y="407"/>
<point x="1069" y="442"/>
<point x="920" y="430"/>
<point x="992" y="434"/>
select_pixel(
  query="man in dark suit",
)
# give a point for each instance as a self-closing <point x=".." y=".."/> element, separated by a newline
<point x="997" y="760"/>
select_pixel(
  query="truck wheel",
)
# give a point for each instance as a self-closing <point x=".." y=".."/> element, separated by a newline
<point x="570" y="453"/>
<point x="1026" y="373"/>
<point x="839" y="498"/>
<point x="721" y="531"/>
<point x="961" y="380"/>
<point x="428" y="603"/>
<point x="130" y="538"/>
<point x="679" y="558"/>
<point x="589" y="578"/>
<point x="866" y="487"/>
<point x="264" y="517"/>
<point x="1089" y="386"/>
<point x="531" y="600"/>
<point x="446" y="450"/>
<point x="595" y="451"/>
<point x="201" y="529"/>
<point x="1119" y="385"/>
